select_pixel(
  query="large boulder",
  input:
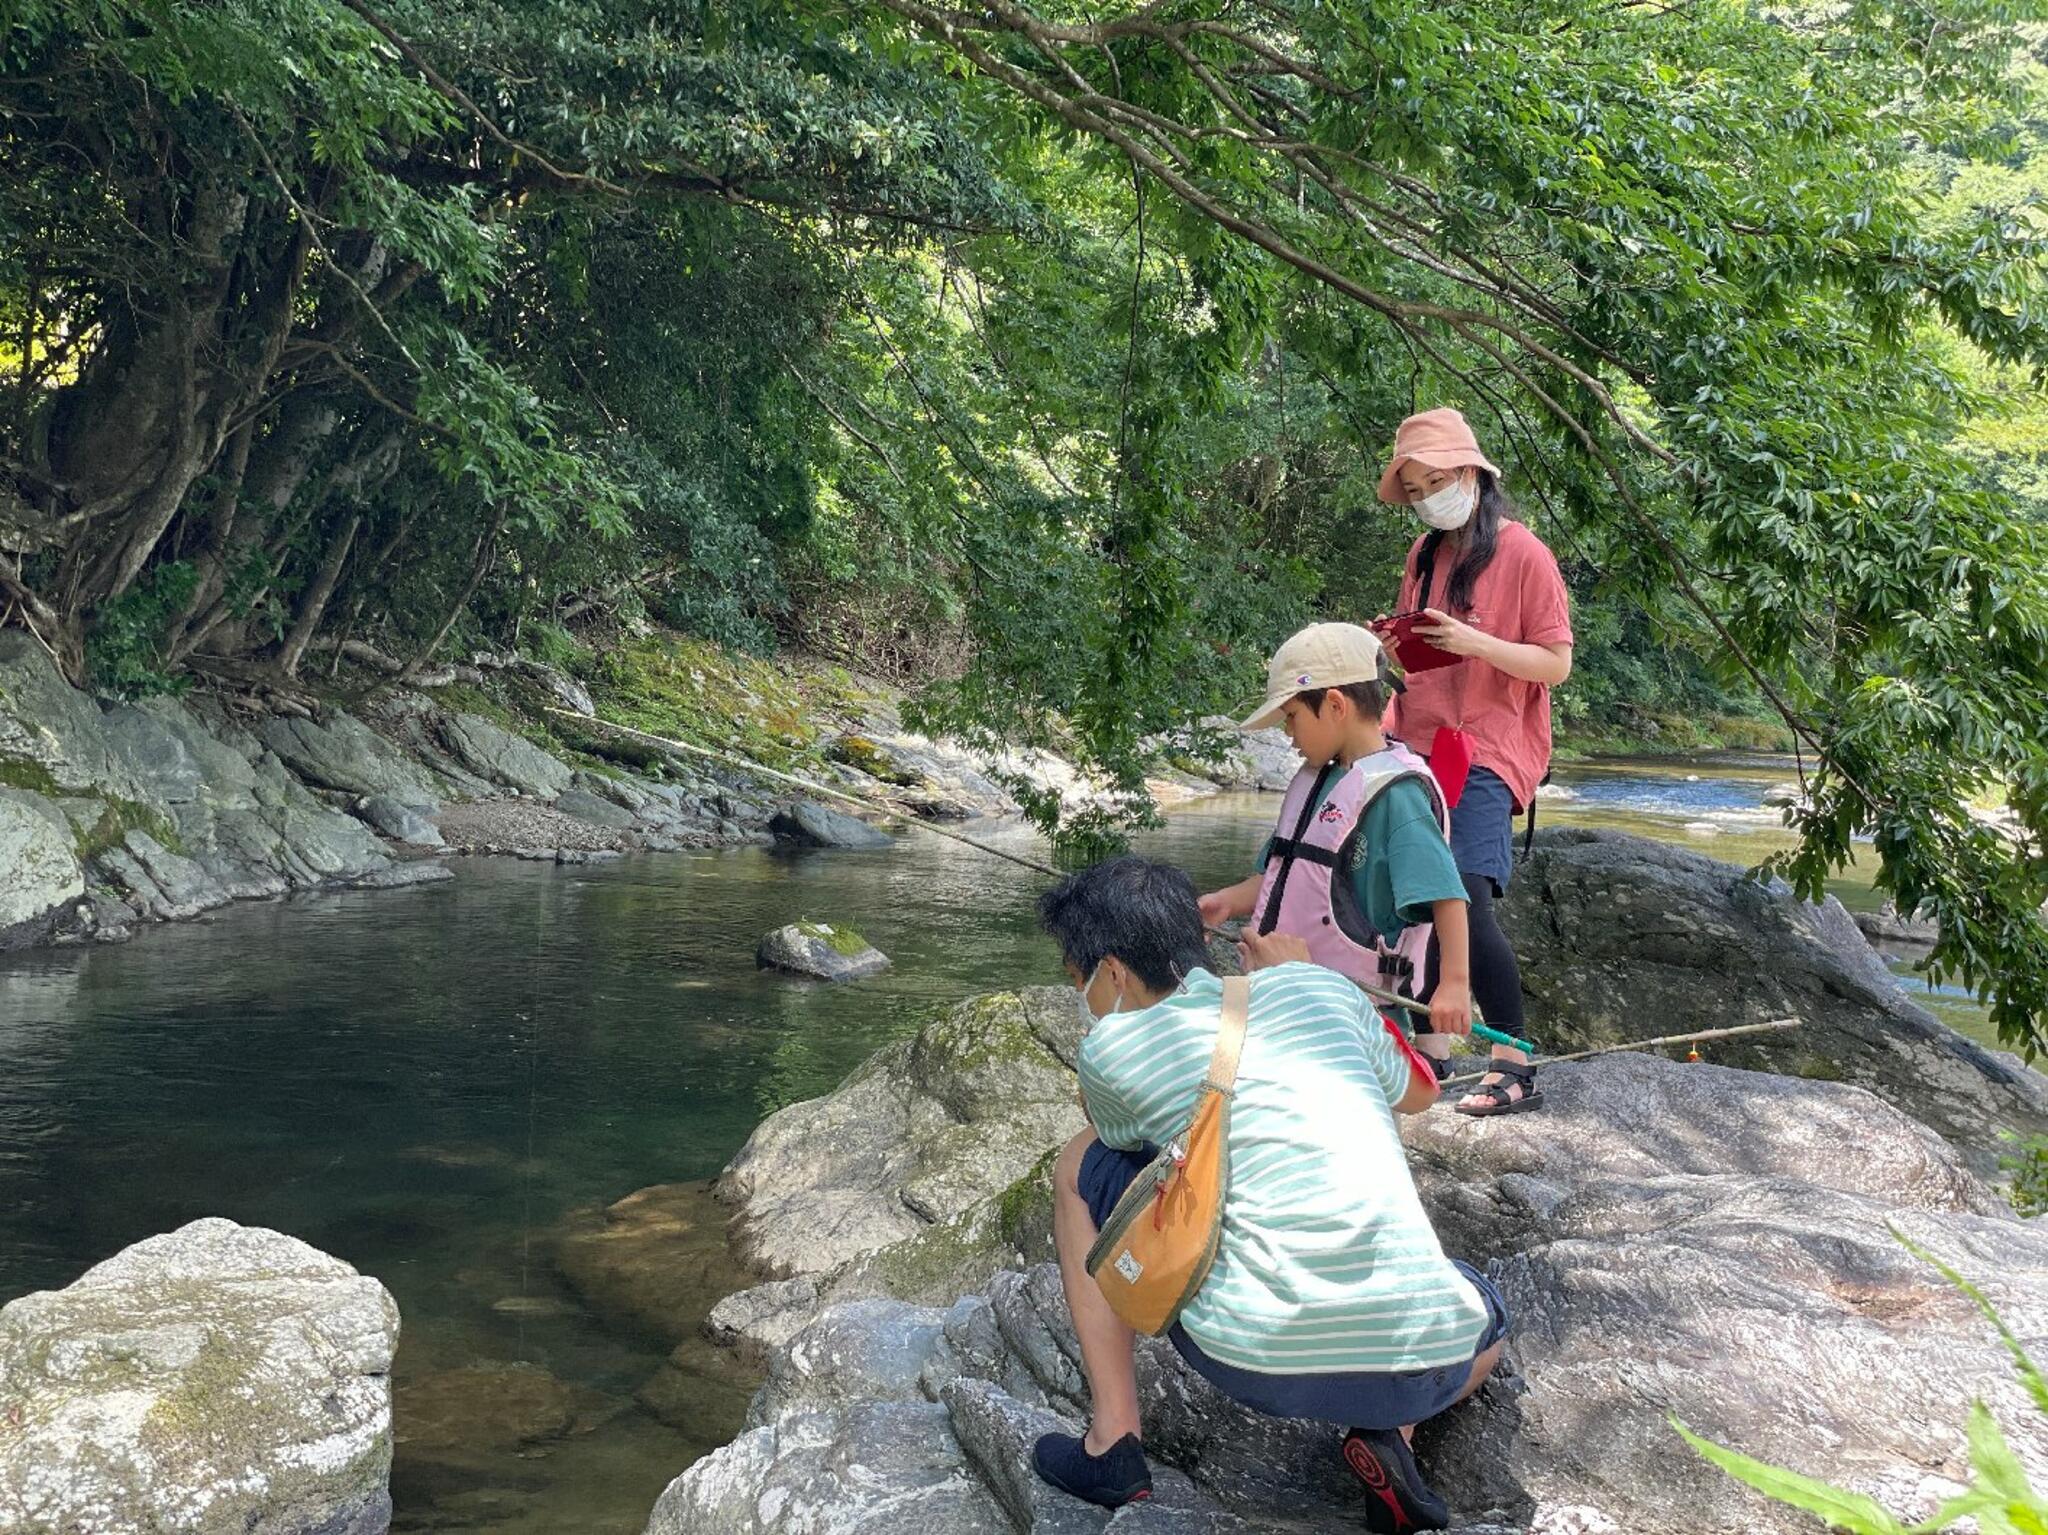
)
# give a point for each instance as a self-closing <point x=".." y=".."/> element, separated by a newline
<point x="809" y="824"/>
<point x="1622" y="939"/>
<point x="39" y="872"/>
<point x="820" y="951"/>
<point x="51" y="737"/>
<point x="924" y="1129"/>
<point x="495" y="753"/>
<point x="216" y="1380"/>
<point x="341" y="753"/>
<point x="1672" y="1239"/>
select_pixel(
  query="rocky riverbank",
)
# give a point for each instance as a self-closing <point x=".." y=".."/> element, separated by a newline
<point x="1674" y="1239"/>
<point x="1677" y="1239"/>
<point x="114" y="814"/>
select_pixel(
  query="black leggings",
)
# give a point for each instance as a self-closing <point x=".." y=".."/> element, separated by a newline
<point x="1496" y="978"/>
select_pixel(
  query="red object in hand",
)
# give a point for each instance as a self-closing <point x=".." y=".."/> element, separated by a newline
<point x="1418" y="1063"/>
<point x="1412" y="650"/>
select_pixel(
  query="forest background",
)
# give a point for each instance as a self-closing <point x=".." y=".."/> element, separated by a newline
<point x="1044" y="361"/>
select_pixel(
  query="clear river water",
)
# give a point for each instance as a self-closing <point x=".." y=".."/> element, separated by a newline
<point x="431" y="1083"/>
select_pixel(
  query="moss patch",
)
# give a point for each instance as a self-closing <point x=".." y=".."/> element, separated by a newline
<point x="120" y="817"/>
<point x="26" y="773"/>
<point x="861" y="753"/>
<point x="840" y="940"/>
<point x="691" y="691"/>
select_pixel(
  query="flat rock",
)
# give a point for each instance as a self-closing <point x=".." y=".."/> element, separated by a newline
<point x="495" y="753"/>
<point x="585" y="806"/>
<point x="807" y="824"/>
<point x="219" y="1380"/>
<point x="341" y="753"/>
<point x="400" y="821"/>
<point x="821" y="952"/>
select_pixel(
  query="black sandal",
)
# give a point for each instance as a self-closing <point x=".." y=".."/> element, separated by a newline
<point x="1517" y="1073"/>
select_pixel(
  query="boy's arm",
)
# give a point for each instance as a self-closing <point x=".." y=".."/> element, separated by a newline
<point x="1450" y="1005"/>
<point x="1236" y="900"/>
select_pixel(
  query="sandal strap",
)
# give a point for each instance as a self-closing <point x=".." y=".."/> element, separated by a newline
<point x="1523" y="1072"/>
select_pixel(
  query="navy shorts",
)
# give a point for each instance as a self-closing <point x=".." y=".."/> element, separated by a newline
<point x="1483" y="828"/>
<point x="1355" y="1399"/>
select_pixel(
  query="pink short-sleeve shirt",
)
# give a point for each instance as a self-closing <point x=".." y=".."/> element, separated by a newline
<point x="1520" y="596"/>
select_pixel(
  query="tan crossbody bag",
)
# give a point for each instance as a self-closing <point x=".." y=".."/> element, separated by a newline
<point x="1160" y="1241"/>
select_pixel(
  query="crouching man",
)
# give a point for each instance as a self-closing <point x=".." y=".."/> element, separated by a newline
<point x="1331" y="1298"/>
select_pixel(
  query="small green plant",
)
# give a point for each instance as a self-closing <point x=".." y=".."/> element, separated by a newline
<point x="2028" y="1165"/>
<point x="123" y="649"/>
<point x="1998" y="1498"/>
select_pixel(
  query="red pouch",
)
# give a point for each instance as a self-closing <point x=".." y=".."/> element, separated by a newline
<point x="1418" y="1063"/>
<point x="1450" y="758"/>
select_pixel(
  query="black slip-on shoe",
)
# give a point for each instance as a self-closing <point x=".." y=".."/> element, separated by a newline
<point x="1117" y="1476"/>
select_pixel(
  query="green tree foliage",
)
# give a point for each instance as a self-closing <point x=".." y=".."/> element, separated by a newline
<point x="1051" y="355"/>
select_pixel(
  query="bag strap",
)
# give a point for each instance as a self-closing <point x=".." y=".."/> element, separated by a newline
<point x="1237" y="1007"/>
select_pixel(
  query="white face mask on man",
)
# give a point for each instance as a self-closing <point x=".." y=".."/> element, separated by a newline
<point x="1088" y="1018"/>
<point x="1449" y="507"/>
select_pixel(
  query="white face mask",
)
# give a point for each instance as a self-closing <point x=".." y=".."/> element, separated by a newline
<point x="1088" y="1018"/>
<point x="1449" y="508"/>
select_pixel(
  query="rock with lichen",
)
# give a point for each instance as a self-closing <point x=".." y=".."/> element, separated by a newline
<point x="215" y="1380"/>
<point x="820" y="951"/>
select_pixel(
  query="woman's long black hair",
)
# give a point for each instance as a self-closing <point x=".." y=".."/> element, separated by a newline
<point x="1482" y="538"/>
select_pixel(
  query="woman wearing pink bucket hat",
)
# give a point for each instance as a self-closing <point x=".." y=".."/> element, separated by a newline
<point x="1487" y="591"/>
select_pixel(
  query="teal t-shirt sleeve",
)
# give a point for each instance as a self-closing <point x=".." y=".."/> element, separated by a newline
<point x="1408" y="866"/>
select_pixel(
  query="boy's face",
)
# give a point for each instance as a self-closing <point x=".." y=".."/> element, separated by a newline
<point x="1316" y="736"/>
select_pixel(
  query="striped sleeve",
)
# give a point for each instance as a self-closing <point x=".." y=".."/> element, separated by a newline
<point x="1389" y="1066"/>
<point x="1116" y="1125"/>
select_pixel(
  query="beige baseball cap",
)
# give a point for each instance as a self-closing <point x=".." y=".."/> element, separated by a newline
<point x="1320" y="656"/>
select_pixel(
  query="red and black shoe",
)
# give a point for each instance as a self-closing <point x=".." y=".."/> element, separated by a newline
<point x="1398" y="1499"/>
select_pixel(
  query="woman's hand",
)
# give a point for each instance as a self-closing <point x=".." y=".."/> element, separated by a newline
<point x="1262" y="950"/>
<point x="1454" y="635"/>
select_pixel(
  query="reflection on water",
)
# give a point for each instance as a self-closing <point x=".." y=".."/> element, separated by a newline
<point x="430" y="1084"/>
<point x="427" y="1082"/>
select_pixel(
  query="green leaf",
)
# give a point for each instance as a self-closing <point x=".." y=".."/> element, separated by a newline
<point x="1851" y="1511"/>
<point x="1992" y="1458"/>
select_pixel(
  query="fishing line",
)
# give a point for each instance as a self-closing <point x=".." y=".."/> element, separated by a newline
<point x="1479" y="1027"/>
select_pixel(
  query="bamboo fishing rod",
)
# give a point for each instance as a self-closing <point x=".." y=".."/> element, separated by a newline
<point x="1645" y="1044"/>
<point x="748" y="765"/>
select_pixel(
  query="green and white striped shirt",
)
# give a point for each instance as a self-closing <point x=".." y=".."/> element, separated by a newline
<point x="1328" y="1263"/>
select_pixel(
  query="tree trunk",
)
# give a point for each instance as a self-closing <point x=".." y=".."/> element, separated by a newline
<point x="313" y="606"/>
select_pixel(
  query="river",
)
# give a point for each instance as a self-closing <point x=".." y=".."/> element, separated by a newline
<point x="429" y="1083"/>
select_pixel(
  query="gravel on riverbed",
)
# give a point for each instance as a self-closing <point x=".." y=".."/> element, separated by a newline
<point x="503" y="826"/>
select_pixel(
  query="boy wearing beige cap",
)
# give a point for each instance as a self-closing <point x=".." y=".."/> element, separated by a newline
<point x="1359" y="860"/>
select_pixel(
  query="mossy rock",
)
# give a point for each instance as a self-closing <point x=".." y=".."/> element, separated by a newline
<point x="860" y="753"/>
<point x="820" y="952"/>
<point x="841" y="940"/>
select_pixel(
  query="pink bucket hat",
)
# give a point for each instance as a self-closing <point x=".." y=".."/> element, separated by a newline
<point x="1439" y="438"/>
